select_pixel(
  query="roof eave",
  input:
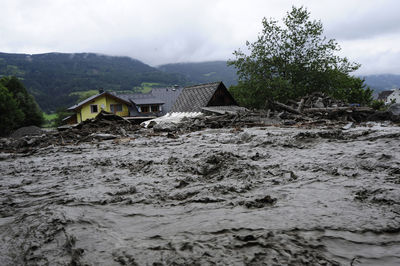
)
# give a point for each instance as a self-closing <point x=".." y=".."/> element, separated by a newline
<point x="82" y="103"/>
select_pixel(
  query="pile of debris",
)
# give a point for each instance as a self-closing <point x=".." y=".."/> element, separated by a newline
<point x="314" y="109"/>
<point x="244" y="118"/>
<point x="105" y="126"/>
<point x="320" y="106"/>
<point x="27" y="131"/>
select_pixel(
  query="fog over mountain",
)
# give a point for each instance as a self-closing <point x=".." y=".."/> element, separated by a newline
<point x="163" y="32"/>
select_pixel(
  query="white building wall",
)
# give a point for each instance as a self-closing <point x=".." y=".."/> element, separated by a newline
<point x="394" y="96"/>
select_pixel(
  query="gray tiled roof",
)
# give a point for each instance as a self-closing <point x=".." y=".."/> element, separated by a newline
<point x="142" y="98"/>
<point x="125" y="96"/>
<point x="168" y="95"/>
<point x="193" y="98"/>
<point x="384" y="94"/>
<point x="149" y="100"/>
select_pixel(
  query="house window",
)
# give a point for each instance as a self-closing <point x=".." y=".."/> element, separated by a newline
<point x="93" y="108"/>
<point x="116" y="108"/>
<point x="144" y="109"/>
<point x="154" y="108"/>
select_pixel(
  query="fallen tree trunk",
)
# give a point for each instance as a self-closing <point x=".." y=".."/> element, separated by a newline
<point x="286" y="108"/>
<point x="301" y="106"/>
<point x="337" y="109"/>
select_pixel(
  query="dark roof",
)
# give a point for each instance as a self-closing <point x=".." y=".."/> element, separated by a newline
<point x="142" y="98"/>
<point x="193" y="98"/>
<point x="76" y="106"/>
<point x="68" y="117"/>
<point x="384" y="94"/>
<point x="168" y="95"/>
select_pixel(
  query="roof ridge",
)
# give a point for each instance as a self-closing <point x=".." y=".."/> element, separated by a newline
<point x="203" y="84"/>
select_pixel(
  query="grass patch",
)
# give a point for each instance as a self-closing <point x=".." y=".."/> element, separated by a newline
<point x="209" y="74"/>
<point x="49" y="120"/>
<point x="150" y="84"/>
<point x="49" y="116"/>
<point x="146" y="87"/>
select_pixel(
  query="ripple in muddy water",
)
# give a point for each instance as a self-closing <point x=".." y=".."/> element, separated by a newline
<point x="261" y="196"/>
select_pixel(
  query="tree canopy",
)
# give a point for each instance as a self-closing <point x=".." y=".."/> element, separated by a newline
<point x="17" y="107"/>
<point x="292" y="59"/>
<point x="11" y="116"/>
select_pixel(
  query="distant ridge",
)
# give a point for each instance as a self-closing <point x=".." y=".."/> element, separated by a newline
<point x="383" y="81"/>
<point x="204" y="72"/>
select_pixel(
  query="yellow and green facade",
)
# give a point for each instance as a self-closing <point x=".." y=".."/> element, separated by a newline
<point x="92" y="106"/>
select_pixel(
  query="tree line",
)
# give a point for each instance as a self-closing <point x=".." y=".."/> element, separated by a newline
<point x="17" y="107"/>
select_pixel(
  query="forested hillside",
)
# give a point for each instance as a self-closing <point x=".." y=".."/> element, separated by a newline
<point x="51" y="78"/>
<point x="204" y="72"/>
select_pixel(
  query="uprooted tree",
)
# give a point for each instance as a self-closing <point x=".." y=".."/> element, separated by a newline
<point x="294" y="59"/>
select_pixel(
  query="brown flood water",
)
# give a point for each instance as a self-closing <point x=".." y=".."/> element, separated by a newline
<point x="261" y="196"/>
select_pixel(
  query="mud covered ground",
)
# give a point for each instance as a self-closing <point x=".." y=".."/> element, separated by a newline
<point x="257" y="196"/>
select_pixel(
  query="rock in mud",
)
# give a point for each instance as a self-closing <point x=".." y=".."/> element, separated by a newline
<point x="104" y="136"/>
<point x="259" y="203"/>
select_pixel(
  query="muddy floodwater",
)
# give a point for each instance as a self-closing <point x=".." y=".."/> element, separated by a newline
<point x="257" y="196"/>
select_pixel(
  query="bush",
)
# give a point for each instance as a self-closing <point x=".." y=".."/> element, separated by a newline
<point x="378" y="105"/>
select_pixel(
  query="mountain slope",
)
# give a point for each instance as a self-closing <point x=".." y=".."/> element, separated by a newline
<point x="52" y="77"/>
<point x="204" y="72"/>
<point x="383" y="82"/>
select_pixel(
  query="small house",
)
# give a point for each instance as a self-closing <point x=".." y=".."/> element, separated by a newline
<point x="134" y="106"/>
<point x="106" y="101"/>
<point x="390" y="96"/>
<point x="143" y="105"/>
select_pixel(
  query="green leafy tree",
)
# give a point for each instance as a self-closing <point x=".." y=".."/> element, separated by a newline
<point x="25" y="102"/>
<point x="351" y="89"/>
<point x="11" y="116"/>
<point x="291" y="60"/>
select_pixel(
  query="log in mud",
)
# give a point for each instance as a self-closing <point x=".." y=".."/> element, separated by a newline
<point x="256" y="196"/>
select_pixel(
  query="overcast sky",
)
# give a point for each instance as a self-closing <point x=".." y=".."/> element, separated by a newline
<point x="169" y="31"/>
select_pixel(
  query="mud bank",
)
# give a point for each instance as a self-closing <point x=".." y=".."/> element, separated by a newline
<point x="257" y="196"/>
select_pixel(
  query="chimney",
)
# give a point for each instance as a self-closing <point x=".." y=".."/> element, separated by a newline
<point x="101" y="90"/>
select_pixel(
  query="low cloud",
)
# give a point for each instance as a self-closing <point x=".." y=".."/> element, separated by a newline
<point x="159" y="32"/>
